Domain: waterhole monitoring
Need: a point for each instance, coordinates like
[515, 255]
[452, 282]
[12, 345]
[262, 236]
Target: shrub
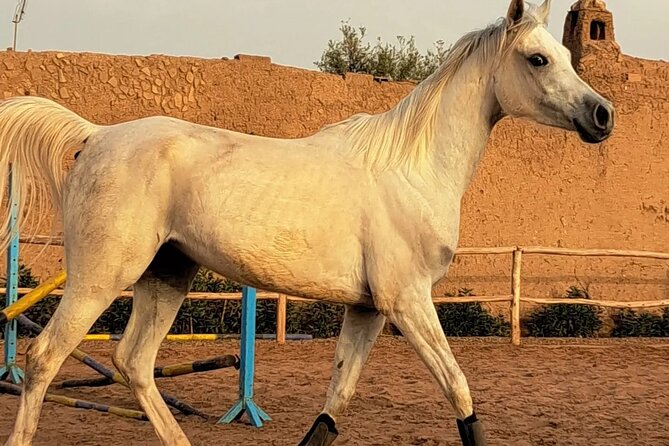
[223, 317]
[629, 323]
[399, 63]
[319, 319]
[470, 319]
[26, 278]
[565, 320]
[203, 316]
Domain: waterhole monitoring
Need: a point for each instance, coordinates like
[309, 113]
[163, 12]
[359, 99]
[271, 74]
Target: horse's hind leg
[157, 297]
[82, 303]
[414, 314]
[359, 331]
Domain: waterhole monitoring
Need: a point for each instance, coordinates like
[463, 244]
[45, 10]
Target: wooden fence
[514, 298]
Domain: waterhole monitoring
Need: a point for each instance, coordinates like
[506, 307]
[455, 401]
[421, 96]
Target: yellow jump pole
[169, 337]
[84, 358]
[30, 299]
[167, 371]
[79, 404]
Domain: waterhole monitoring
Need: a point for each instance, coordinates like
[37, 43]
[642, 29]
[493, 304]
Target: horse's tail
[35, 135]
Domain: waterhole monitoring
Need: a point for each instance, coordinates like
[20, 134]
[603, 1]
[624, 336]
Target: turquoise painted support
[11, 371]
[246, 365]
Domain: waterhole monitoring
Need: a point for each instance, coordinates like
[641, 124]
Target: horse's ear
[544, 11]
[516, 11]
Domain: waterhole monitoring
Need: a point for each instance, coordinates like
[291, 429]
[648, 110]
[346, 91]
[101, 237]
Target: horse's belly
[296, 259]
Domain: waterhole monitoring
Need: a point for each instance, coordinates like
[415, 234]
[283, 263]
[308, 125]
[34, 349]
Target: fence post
[281, 309]
[11, 370]
[515, 290]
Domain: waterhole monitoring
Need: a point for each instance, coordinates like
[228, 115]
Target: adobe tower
[589, 25]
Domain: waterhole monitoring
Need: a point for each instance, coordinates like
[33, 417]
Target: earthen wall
[535, 186]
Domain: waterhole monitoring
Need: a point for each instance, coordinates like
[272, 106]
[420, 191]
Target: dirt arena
[543, 393]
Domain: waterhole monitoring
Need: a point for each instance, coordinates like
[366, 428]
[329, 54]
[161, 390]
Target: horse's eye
[538, 60]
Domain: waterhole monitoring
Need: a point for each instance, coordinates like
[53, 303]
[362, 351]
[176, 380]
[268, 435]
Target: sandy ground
[543, 393]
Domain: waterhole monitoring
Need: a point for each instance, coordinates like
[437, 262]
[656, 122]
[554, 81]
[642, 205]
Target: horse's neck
[465, 121]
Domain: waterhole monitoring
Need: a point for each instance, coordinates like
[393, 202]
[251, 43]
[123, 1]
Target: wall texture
[536, 186]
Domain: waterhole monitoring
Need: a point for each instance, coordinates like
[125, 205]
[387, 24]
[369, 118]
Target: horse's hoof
[471, 431]
[322, 433]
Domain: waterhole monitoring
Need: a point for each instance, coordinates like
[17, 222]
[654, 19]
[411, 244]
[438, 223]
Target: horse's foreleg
[417, 319]
[359, 331]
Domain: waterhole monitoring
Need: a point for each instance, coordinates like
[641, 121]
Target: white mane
[402, 136]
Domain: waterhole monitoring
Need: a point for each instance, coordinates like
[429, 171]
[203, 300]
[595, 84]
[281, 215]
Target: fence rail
[514, 299]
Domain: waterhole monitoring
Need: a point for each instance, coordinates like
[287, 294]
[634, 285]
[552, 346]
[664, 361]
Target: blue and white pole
[11, 371]
[247, 365]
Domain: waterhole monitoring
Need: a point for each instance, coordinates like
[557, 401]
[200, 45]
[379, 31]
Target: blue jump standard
[11, 371]
[246, 366]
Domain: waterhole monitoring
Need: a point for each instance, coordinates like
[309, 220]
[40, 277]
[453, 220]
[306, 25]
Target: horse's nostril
[602, 117]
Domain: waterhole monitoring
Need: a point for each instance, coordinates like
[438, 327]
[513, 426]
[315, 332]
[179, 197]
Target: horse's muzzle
[596, 123]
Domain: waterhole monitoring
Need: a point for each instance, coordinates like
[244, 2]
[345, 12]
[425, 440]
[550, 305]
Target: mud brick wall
[536, 186]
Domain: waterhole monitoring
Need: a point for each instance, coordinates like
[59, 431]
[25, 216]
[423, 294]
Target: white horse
[365, 212]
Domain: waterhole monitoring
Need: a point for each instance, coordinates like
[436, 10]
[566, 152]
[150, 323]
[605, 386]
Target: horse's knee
[122, 361]
[37, 361]
[130, 369]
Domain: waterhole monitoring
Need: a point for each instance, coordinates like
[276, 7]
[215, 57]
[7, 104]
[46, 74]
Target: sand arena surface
[600, 392]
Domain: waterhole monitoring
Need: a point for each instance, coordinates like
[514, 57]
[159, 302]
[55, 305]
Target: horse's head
[534, 79]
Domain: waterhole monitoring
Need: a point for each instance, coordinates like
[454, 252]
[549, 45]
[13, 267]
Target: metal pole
[11, 370]
[247, 365]
[18, 16]
[16, 30]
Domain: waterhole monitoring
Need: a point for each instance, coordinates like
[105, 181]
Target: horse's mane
[402, 135]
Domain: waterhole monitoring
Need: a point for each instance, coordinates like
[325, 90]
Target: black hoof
[471, 431]
[322, 433]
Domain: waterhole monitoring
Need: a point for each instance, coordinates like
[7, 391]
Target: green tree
[399, 62]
